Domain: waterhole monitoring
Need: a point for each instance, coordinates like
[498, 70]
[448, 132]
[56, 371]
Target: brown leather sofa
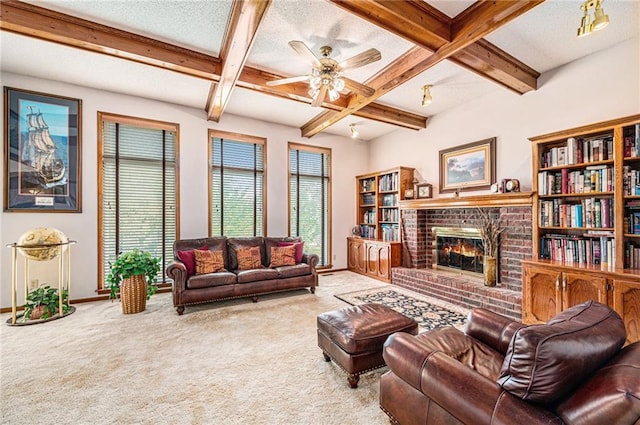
[571, 370]
[231, 282]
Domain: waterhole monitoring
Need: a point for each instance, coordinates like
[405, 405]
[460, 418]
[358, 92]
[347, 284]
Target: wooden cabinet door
[371, 256]
[580, 287]
[626, 301]
[384, 262]
[355, 248]
[541, 297]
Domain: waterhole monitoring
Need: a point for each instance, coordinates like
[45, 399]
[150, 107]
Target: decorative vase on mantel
[489, 270]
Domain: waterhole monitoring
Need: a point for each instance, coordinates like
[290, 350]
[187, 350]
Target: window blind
[309, 199]
[237, 188]
[139, 192]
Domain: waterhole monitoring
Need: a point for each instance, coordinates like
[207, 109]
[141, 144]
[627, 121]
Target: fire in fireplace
[457, 249]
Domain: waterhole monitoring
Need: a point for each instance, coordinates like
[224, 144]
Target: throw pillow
[249, 258]
[189, 260]
[299, 249]
[283, 256]
[546, 362]
[208, 261]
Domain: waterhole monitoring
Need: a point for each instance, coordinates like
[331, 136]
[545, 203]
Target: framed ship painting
[468, 167]
[42, 152]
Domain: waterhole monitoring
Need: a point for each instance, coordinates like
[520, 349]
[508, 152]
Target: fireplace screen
[458, 248]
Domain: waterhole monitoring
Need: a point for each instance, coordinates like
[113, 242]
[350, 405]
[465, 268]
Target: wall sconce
[426, 95]
[600, 19]
[354, 132]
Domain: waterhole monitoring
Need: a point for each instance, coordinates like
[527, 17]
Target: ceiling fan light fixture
[426, 95]
[333, 95]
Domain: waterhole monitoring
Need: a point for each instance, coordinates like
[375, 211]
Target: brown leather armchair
[571, 370]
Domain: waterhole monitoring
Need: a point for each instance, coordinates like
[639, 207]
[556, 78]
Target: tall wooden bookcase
[378, 246]
[586, 184]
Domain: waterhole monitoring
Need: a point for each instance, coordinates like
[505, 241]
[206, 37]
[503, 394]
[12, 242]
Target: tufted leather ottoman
[353, 337]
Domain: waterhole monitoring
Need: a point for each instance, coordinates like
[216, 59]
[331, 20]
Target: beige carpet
[233, 362]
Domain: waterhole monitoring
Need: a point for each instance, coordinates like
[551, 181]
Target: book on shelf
[572, 249]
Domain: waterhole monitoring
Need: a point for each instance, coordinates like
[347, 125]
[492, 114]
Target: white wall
[349, 158]
[597, 88]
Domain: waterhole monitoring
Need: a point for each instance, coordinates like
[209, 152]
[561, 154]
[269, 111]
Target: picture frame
[424, 190]
[468, 167]
[42, 152]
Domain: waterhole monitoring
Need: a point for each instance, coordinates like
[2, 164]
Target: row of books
[389, 214]
[368, 199]
[390, 200]
[589, 212]
[367, 231]
[631, 256]
[578, 250]
[389, 182]
[578, 151]
[631, 181]
[369, 217]
[390, 232]
[368, 185]
[596, 178]
[632, 142]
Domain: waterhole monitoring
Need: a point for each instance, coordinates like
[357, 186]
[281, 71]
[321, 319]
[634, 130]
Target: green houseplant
[133, 275]
[43, 303]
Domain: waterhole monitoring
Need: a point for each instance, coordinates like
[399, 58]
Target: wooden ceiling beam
[27, 19]
[426, 26]
[33, 21]
[471, 25]
[240, 33]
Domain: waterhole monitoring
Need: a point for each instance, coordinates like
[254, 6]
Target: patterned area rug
[428, 312]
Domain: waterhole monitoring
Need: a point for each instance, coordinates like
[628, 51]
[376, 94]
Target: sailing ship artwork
[42, 152]
[43, 161]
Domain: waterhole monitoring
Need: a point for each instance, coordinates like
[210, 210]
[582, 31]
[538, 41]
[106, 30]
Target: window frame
[328, 153]
[144, 123]
[243, 138]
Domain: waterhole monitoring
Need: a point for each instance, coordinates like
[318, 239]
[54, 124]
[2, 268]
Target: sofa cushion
[282, 256]
[211, 279]
[246, 276]
[189, 260]
[546, 362]
[272, 241]
[235, 244]
[208, 261]
[296, 270]
[248, 258]
[299, 249]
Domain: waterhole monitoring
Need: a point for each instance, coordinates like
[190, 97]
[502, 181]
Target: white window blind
[237, 187]
[139, 199]
[309, 199]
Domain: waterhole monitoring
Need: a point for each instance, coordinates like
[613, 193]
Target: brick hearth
[417, 273]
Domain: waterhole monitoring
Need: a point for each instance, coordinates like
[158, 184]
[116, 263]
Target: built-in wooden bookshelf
[586, 184]
[377, 247]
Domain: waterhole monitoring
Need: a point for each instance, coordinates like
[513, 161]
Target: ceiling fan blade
[360, 59]
[288, 80]
[320, 97]
[303, 50]
[357, 87]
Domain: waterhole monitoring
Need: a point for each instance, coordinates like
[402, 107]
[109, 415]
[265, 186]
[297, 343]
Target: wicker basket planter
[133, 294]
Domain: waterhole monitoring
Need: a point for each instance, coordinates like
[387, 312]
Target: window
[138, 195]
[310, 199]
[236, 185]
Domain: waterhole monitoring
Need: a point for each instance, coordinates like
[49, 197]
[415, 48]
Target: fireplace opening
[459, 249]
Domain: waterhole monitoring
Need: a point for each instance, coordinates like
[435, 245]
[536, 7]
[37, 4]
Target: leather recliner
[572, 370]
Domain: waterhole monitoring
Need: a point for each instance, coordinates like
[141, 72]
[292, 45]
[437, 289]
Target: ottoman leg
[353, 380]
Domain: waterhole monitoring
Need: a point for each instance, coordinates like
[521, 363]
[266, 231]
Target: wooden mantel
[513, 199]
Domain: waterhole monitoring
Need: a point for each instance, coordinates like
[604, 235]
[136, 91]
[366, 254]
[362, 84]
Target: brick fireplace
[419, 217]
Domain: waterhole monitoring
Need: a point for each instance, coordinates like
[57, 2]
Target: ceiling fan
[326, 75]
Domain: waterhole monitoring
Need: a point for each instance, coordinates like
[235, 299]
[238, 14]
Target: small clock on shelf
[409, 194]
[424, 190]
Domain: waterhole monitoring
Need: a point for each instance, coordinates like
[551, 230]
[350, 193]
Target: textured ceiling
[543, 38]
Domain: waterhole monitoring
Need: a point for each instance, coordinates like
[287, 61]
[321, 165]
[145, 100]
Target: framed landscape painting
[468, 167]
[42, 152]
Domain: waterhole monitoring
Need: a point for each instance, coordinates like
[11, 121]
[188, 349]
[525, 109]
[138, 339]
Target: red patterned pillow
[249, 258]
[283, 256]
[299, 249]
[208, 261]
[189, 260]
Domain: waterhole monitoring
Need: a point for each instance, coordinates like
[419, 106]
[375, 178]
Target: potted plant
[490, 232]
[43, 303]
[133, 275]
